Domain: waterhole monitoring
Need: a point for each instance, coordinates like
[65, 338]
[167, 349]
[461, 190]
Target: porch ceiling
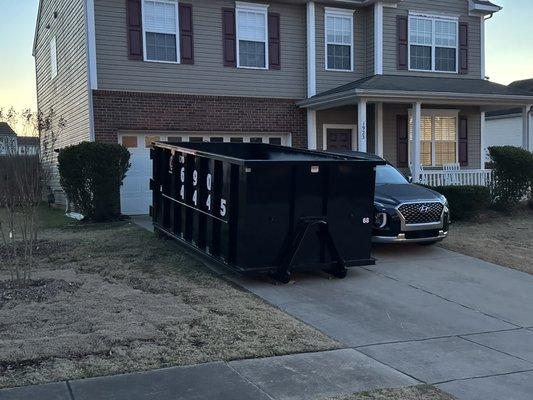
[407, 89]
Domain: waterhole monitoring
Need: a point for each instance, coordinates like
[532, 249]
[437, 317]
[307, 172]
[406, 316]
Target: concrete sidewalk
[296, 377]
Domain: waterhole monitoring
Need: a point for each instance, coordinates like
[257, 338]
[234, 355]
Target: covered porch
[432, 128]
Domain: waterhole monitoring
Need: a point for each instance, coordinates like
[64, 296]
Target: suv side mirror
[410, 179]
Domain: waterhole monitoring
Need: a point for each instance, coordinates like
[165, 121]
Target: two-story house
[402, 78]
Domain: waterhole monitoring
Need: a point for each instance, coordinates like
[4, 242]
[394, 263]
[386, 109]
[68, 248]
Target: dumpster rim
[335, 159]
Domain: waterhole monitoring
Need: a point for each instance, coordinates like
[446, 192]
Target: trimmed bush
[91, 174]
[513, 175]
[465, 200]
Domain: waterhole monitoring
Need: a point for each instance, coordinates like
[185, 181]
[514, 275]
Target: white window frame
[339, 12]
[177, 33]
[53, 58]
[444, 113]
[257, 8]
[433, 18]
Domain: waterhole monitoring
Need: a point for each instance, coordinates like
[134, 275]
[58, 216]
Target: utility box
[259, 208]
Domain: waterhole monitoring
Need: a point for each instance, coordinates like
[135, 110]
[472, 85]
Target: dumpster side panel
[264, 221]
[350, 211]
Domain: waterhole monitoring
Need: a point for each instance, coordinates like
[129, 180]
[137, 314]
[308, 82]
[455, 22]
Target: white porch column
[415, 144]
[483, 152]
[378, 117]
[378, 38]
[311, 129]
[311, 50]
[361, 126]
[526, 128]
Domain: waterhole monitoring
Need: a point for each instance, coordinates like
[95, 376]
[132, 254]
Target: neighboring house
[11, 144]
[28, 145]
[402, 78]
[8, 140]
[505, 127]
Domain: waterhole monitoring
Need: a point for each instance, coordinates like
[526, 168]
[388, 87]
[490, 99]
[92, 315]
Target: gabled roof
[5, 129]
[423, 87]
[39, 9]
[483, 7]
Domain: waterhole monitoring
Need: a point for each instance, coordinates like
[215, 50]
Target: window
[252, 35]
[438, 137]
[433, 43]
[53, 57]
[160, 22]
[339, 39]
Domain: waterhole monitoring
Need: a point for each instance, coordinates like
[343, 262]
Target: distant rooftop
[525, 85]
[5, 129]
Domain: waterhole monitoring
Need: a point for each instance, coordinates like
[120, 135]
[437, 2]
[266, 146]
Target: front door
[339, 139]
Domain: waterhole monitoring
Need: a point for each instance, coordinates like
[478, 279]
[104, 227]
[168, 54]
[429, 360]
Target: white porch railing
[466, 177]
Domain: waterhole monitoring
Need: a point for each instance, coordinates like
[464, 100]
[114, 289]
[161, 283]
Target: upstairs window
[252, 39]
[53, 57]
[160, 22]
[339, 39]
[432, 44]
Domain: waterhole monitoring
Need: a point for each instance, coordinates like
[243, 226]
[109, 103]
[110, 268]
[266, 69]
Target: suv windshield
[387, 174]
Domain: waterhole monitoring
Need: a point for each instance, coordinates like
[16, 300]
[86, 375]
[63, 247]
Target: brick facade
[114, 111]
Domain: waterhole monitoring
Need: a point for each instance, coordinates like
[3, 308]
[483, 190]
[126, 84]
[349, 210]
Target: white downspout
[311, 74]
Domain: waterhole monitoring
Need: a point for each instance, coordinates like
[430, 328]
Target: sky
[509, 48]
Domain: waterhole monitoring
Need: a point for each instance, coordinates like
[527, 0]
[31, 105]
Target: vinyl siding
[68, 93]
[331, 79]
[390, 111]
[451, 7]
[370, 41]
[207, 76]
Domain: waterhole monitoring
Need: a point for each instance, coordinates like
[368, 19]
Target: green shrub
[465, 200]
[513, 175]
[91, 174]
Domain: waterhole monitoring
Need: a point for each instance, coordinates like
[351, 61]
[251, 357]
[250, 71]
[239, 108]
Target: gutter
[490, 98]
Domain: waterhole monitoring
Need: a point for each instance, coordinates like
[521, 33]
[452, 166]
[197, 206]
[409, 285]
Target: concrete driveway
[440, 317]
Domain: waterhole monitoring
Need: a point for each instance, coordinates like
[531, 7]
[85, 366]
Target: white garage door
[135, 194]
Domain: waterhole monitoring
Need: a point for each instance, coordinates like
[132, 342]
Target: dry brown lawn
[422, 392]
[504, 239]
[113, 298]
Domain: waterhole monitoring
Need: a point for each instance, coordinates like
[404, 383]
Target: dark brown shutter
[186, 38]
[402, 32]
[463, 141]
[274, 61]
[135, 32]
[229, 37]
[402, 130]
[463, 48]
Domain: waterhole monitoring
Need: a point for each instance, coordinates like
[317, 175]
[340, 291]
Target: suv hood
[395, 194]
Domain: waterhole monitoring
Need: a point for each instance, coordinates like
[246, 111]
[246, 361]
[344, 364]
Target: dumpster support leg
[339, 270]
[283, 274]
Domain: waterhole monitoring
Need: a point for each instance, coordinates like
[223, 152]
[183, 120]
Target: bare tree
[23, 184]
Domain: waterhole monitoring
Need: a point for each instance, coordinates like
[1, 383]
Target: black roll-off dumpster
[262, 208]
